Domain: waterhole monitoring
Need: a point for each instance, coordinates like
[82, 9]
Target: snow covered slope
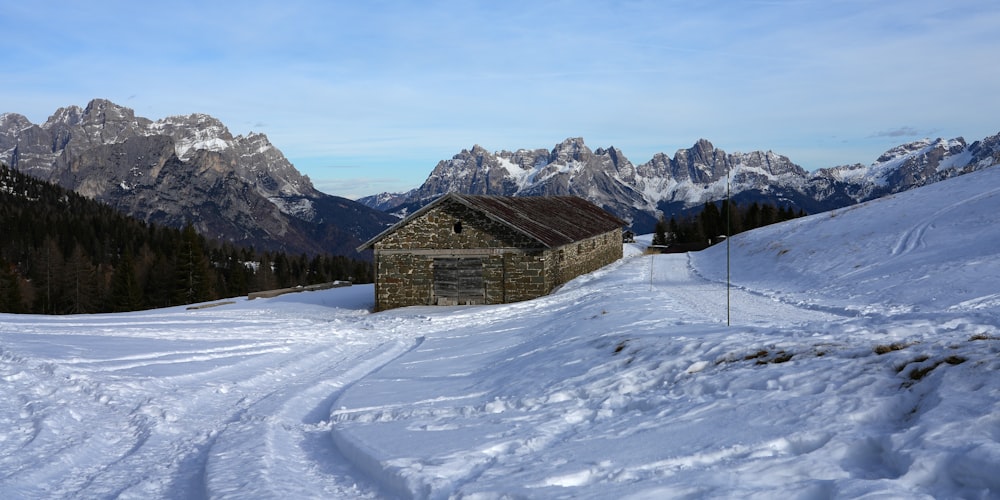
[862, 359]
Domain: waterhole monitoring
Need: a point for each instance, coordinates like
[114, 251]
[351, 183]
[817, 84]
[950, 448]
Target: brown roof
[551, 220]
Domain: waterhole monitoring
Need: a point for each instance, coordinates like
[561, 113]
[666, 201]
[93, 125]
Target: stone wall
[402, 280]
[526, 276]
[589, 255]
[515, 267]
[436, 229]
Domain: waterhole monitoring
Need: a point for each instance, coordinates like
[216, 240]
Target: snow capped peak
[194, 132]
[694, 176]
[903, 150]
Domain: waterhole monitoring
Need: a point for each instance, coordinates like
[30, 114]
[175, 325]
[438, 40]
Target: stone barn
[465, 249]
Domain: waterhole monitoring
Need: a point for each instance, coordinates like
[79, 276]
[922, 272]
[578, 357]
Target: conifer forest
[62, 253]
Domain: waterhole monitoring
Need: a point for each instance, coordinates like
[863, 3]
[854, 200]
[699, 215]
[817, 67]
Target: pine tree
[79, 283]
[265, 273]
[126, 294]
[46, 266]
[674, 231]
[710, 222]
[192, 269]
[660, 233]
[751, 218]
[767, 215]
[10, 290]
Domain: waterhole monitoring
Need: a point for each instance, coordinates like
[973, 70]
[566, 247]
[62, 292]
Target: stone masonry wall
[588, 255]
[515, 268]
[406, 279]
[526, 276]
[436, 230]
[402, 280]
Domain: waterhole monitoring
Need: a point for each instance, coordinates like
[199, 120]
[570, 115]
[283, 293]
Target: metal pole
[651, 257]
[729, 216]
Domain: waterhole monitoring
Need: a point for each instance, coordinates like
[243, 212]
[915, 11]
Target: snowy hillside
[862, 359]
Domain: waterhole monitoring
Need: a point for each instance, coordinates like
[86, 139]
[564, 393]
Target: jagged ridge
[667, 186]
[187, 169]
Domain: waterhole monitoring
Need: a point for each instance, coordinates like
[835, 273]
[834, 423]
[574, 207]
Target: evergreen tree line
[718, 220]
[61, 253]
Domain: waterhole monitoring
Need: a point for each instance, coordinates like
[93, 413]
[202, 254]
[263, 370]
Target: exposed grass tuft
[621, 346]
[954, 360]
[885, 349]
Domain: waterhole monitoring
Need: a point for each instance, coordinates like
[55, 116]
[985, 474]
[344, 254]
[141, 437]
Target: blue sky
[366, 97]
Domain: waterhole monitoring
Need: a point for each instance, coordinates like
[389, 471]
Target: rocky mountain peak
[666, 186]
[194, 132]
[703, 146]
[572, 149]
[186, 168]
[922, 146]
[13, 122]
[478, 150]
[66, 116]
[986, 151]
[903, 150]
[102, 110]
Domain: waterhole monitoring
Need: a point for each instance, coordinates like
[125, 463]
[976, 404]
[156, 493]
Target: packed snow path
[862, 359]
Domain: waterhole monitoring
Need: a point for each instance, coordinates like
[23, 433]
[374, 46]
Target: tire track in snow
[179, 357]
[139, 439]
[289, 438]
[64, 415]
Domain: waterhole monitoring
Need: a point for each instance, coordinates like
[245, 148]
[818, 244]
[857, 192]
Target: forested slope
[62, 253]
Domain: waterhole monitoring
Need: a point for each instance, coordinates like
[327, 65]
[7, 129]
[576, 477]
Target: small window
[458, 227]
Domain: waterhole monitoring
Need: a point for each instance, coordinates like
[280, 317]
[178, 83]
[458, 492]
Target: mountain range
[674, 186]
[191, 170]
[187, 170]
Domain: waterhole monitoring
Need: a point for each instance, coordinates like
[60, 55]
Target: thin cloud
[901, 132]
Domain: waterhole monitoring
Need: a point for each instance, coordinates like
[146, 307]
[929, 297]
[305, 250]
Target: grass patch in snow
[920, 372]
[886, 349]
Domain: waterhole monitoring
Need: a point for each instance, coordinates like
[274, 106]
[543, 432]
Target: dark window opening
[458, 227]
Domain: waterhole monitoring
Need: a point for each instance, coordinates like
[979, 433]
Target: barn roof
[551, 220]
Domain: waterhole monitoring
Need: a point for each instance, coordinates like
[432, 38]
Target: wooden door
[459, 281]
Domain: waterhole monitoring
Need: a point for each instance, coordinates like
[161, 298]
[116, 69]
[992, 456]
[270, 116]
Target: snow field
[621, 385]
[861, 360]
[613, 402]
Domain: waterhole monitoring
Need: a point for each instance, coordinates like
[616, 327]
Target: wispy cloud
[901, 132]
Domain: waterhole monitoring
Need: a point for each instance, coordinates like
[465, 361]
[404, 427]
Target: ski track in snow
[913, 238]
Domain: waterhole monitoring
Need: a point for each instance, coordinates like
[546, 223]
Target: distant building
[464, 249]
